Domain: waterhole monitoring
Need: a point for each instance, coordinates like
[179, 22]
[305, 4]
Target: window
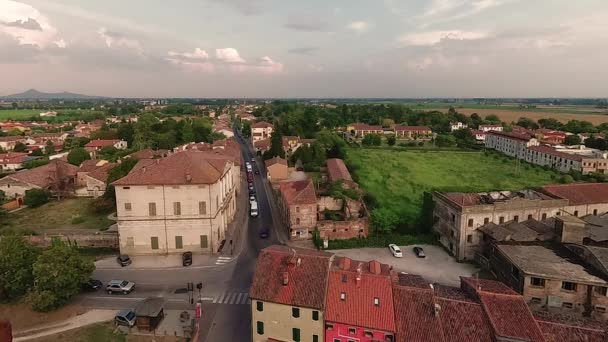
[600, 309]
[179, 243]
[352, 331]
[536, 300]
[297, 220]
[217, 202]
[152, 209]
[202, 208]
[259, 306]
[486, 220]
[126, 187]
[576, 213]
[329, 326]
[260, 329]
[150, 187]
[453, 218]
[315, 338]
[567, 305]
[544, 217]
[376, 301]
[128, 206]
[204, 243]
[368, 334]
[337, 340]
[516, 218]
[595, 212]
[154, 242]
[343, 296]
[177, 208]
[315, 315]
[501, 219]
[538, 282]
[297, 209]
[568, 286]
[470, 223]
[296, 334]
[469, 238]
[530, 217]
[344, 278]
[452, 232]
[295, 312]
[601, 290]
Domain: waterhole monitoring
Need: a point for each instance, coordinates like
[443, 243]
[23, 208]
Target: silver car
[120, 286]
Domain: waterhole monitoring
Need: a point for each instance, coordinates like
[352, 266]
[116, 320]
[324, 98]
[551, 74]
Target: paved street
[226, 279]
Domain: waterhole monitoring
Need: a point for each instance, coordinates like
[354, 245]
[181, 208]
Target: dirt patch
[514, 115]
[22, 317]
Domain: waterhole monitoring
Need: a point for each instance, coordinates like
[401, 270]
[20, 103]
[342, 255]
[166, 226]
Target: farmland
[26, 114]
[396, 180]
[19, 114]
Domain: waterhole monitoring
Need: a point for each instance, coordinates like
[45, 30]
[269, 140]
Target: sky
[313, 48]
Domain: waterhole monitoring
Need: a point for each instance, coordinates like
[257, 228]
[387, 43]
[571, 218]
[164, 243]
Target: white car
[395, 251]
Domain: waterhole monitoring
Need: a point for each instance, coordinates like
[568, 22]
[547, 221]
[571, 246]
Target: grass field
[100, 332]
[398, 179]
[19, 114]
[56, 215]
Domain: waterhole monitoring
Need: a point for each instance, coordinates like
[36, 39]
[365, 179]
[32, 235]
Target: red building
[359, 303]
[550, 136]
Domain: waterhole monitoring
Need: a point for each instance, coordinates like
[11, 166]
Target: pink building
[359, 304]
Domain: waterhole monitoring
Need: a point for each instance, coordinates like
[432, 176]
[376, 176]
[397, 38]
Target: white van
[253, 211]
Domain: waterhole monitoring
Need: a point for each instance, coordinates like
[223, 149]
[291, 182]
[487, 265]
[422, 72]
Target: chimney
[285, 278]
[436, 309]
[299, 262]
[359, 272]
[188, 178]
[143, 169]
[375, 267]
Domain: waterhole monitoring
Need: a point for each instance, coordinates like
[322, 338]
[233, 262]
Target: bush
[77, 156]
[383, 241]
[102, 205]
[34, 198]
[566, 179]
[78, 220]
[42, 301]
[421, 143]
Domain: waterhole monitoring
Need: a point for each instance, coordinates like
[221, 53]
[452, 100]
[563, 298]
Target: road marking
[238, 298]
[218, 299]
[232, 298]
[131, 298]
[223, 260]
[226, 258]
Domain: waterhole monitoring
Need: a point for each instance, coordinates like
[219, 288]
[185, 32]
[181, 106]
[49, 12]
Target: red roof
[556, 332]
[306, 279]
[101, 173]
[275, 160]
[262, 124]
[579, 194]
[298, 192]
[149, 154]
[337, 170]
[511, 135]
[401, 128]
[510, 317]
[463, 321]
[12, 158]
[365, 127]
[54, 174]
[552, 151]
[101, 143]
[358, 307]
[415, 320]
[486, 285]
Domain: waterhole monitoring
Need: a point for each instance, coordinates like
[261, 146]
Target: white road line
[228, 298]
[218, 299]
[224, 258]
[244, 299]
[234, 298]
[238, 298]
[249, 301]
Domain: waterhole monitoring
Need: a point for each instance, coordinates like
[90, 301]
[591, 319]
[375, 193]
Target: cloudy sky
[313, 48]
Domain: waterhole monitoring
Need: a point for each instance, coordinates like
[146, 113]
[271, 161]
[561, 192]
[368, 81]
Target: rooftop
[149, 154]
[412, 128]
[488, 198]
[580, 193]
[337, 170]
[298, 192]
[101, 143]
[275, 160]
[262, 124]
[557, 332]
[55, 173]
[552, 151]
[512, 135]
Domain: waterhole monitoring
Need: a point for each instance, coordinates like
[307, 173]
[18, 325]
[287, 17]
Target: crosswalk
[223, 260]
[232, 298]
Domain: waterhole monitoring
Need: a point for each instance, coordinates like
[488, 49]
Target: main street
[226, 282]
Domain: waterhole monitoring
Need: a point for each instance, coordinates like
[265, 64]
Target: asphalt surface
[226, 305]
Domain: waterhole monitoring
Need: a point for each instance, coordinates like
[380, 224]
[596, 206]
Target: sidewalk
[158, 262]
[237, 229]
[87, 318]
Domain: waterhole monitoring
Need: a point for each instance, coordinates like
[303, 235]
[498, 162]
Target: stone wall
[329, 203]
[92, 239]
[343, 230]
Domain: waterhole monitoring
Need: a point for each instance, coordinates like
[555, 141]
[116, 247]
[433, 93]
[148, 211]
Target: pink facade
[338, 332]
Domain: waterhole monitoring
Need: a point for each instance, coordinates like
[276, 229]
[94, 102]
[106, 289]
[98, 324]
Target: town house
[261, 130]
[297, 202]
[413, 132]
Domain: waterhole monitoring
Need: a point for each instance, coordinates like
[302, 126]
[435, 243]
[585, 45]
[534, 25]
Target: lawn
[66, 214]
[398, 179]
[99, 332]
[19, 114]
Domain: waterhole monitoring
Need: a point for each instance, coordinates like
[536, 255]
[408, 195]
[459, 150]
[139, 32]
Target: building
[261, 130]
[413, 132]
[359, 130]
[85, 168]
[98, 144]
[58, 177]
[454, 126]
[288, 295]
[511, 144]
[183, 202]
[96, 181]
[359, 302]
[297, 202]
[12, 161]
[488, 128]
[148, 154]
[8, 143]
[583, 199]
[262, 146]
[43, 138]
[549, 136]
[338, 172]
[276, 169]
[293, 143]
[480, 136]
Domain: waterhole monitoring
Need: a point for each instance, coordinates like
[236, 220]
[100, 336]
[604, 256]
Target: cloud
[315, 67]
[225, 59]
[246, 7]
[306, 51]
[61, 43]
[306, 23]
[198, 54]
[359, 26]
[267, 65]
[448, 10]
[115, 39]
[25, 24]
[29, 24]
[228, 55]
[435, 37]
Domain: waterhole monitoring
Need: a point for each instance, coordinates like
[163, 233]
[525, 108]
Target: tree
[2, 196]
[276, 144]
[444, 140]
[35, 198]
[16, 266]
[550, 123]
[37, 153]
[372, 140]
[126, 132]
[388, 122]
[187, 134]
[384, 220]
[247, 129]
[566, 179]
[493, 119]
[77, 156]
[20, 147]
[58, 273]
[572, 140]
[49, 148]
[391, 140]
[527, 123]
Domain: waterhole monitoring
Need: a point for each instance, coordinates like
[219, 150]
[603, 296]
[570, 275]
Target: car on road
[419, 252]
[250, 177]
[253, 159]
[251, 187]
[264, 233]
[251, 192]
[187, 259]
[120, 286]
[123, 260]
[253, 211]
[257, 172]
[92, 285]
[252, 197]
[125, 317]
[395, 250]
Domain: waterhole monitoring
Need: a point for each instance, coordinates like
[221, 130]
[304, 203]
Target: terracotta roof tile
[414, 316]
[486, 286]
[580, 194]
[88, 165]
[401, 128]
[101, 143]
[149, 154]
[306, 283]
[298, 192]
[556, 332]
[101, 173]
[510, 317]
[553, 152]
[512, 135]
[365, 127]
[47, 175]
[275, 160]
[464, 321]
[337, 170]
[262, 124]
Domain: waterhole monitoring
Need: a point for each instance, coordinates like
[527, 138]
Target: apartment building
[288, 295]
[183, 202]
[488, 128]
[359, 130]
[413, 132]
[512, 144]
[261, 130]
[454, 126]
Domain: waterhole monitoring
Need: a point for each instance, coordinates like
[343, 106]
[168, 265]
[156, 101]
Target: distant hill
[34, 94]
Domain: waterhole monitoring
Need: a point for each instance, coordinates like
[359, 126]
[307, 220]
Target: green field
[398, 179]
[509, 107]
[19, 114]
[26, 114]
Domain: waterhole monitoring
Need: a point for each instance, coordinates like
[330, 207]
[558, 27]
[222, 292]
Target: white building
[261, 130]
[487, 128]
[454, 126]
[511, 144]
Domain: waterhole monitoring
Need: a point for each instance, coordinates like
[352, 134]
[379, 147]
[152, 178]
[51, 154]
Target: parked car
[395, 251]
[187, 258]
[253, 159]
[253, 211]
[252, 198]
[121, 286]
[92, 285]
[123, 260]
[250, 177]
[257, 172]
[419, 252]
[251, 192]
[264, 233]
[125, 317]
[251, 187]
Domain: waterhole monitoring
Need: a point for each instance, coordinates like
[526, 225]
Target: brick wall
[343, 230]
[329, 203]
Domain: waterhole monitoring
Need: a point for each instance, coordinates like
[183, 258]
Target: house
[48, 114]
[85, 168]
[44, 138]
[276, 169]
[8, 143]
[288, 294]
[148, 154]
[96, 145]
[583, 199]
[454, 126]
[262, 146]
[297, 203]
[183, 202]
[511, 144]
[57, 177]
[12, 161]
[261, 130]
[338, 172]
[360, 130]
[292, 143]
[413, 132]
[550, 136]
[359, 302]
[480, 136]
[96, 181]
[488, 128]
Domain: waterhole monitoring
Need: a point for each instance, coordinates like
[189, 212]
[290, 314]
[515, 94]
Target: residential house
[583, 198]
[413, 132]
[511, 144]
[148, 153]
[183, 202]
[12, 161]
[288, 295]
[292, 143]
[550, 136]
[95, 146]
[359, 302]
[8, 143]
[261, 130]
[338, 172]
[480, 136]
[262, 146]
[97, 180]
[360, 130]
[488, 128]
[15, 125]
[454, 126]
[57, 177]
[297, 203]
[277, 169]
[43, 138]
[85, 168]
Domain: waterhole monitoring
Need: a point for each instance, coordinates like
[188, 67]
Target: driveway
[437, 267]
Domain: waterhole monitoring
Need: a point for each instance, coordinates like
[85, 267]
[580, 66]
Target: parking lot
[437, 267]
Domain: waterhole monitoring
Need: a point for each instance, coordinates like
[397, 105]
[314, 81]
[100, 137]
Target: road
[226, 309]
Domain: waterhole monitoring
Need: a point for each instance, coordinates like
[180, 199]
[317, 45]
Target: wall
[329, 203]
[278, 323]
[82, 239]
[12, 205]
[342, 230]
[341, 332]
[14, 188]
[95, 187]
[302, 220]
[278, 172]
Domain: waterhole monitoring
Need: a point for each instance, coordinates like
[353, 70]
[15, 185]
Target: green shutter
[179, 243]
[315, 338]
[260, 305]
[204, 243]
[260, 328]
[315, 315]
[296, 334]
[295, 312]
[154, 242]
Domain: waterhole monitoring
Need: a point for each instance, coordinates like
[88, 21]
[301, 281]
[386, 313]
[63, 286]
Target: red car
[250, 178]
